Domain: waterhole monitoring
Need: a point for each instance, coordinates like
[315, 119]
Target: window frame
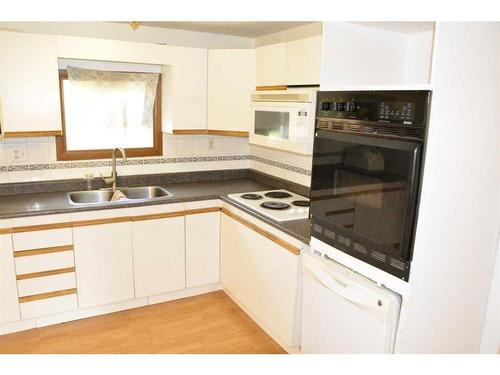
[63, 154]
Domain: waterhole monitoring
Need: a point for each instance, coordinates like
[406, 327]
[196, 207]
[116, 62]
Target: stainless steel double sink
[103, 196]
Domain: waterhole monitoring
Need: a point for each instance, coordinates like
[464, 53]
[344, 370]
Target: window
[106, 109]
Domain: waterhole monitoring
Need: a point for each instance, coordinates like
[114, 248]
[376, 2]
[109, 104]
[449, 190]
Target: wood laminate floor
[208, 323]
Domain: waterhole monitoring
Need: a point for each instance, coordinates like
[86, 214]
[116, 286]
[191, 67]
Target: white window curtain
[106, 104]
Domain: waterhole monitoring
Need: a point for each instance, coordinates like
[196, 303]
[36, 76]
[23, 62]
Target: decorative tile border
[149, 161]
[281, 165]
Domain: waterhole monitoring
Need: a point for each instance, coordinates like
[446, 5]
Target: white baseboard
[184, 293]
[16, 326]
[22, 325]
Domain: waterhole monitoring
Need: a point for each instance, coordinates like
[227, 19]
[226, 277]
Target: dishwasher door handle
[336, 286]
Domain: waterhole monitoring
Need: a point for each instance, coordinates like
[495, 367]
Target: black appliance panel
[395, 107]
[366, 177]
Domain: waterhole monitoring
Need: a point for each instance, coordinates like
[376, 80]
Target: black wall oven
[367, 165]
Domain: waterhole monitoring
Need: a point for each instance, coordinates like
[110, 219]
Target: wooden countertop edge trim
[287, 246]
[37, 297]
[46, 250]
[202, 210]
[34, 228]
[34, 275]
[108, 220]
[5, 231]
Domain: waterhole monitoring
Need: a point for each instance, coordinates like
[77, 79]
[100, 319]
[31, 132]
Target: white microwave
[284, 120]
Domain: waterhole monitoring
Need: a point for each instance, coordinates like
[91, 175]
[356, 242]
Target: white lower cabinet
[104, 263]
[9, 305]
[262, 277]
[202, 248]
[159, 256]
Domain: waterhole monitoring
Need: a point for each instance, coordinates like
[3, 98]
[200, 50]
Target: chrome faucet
[112, 179]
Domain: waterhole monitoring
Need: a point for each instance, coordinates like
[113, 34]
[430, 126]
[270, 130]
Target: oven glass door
[364, 195]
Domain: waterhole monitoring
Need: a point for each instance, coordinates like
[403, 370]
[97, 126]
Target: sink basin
[92, 197]
[145, 192]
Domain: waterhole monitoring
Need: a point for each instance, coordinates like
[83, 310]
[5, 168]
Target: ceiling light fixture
[134, 24]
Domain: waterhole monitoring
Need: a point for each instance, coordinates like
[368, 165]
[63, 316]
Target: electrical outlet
[211, 144]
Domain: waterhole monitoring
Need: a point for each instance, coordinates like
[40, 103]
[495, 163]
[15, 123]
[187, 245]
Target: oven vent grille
[359, 248]
[317, 228]
[379, 256]
[344, 240]
[395, 266]
[329, 234]
[397, 263]
[371, 128]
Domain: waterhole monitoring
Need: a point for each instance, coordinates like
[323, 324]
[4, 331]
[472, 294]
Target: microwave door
[272, 123]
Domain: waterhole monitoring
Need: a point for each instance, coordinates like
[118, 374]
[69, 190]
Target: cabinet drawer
[44, 284]
[48, 306]
[42, 239]
[44, 262]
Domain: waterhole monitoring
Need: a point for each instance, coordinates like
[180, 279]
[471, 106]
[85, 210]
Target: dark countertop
[33, 204]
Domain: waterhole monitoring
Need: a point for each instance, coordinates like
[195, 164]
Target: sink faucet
[112, 179]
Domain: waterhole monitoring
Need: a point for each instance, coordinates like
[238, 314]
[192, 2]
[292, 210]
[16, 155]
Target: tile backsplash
[34, 159]
[289, 166]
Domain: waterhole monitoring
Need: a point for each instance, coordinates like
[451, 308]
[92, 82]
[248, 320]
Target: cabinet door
[202, 248]
[9, 305]
[159, 256]
[261, 276]
[303, 61]
[187, 88]
[29, 83]
[103, 261]
[271, 65]
[231, 80]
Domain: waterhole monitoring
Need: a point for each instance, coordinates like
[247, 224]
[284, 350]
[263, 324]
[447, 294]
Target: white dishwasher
[344, 312]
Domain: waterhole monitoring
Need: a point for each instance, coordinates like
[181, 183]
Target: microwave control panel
[394, 107]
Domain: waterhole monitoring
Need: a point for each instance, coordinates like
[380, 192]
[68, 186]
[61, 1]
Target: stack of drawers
[45, 272]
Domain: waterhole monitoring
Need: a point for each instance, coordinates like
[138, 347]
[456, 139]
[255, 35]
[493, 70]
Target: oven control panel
[395, 107]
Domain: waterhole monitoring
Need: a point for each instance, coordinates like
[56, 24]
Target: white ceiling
[246, 29]
[401, 27]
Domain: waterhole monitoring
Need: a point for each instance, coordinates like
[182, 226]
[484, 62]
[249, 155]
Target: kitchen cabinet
[202, 248]
[29, 85]
[303, 61]
[104, 263]
[9, 306]
[262, 277]
[271, 65]
[231, 80]
[185, 82]
[159, 256]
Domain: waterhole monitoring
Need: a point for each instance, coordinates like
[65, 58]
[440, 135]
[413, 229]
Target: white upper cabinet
[303, 61]
[159, 256]
[9, 306]
[29, 84]
[271, 65]
[231, 80]
[185, 85]
[104, 264]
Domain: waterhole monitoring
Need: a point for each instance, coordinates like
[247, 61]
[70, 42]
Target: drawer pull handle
[45, 273]
[36, 297]
[45, 250]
